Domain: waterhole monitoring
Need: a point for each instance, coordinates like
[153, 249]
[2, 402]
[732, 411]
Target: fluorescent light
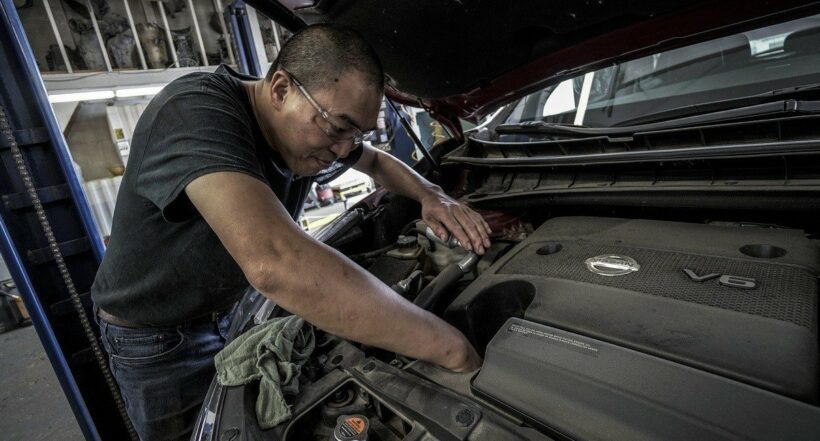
[81, 96]
[104, 94]
[138, 91]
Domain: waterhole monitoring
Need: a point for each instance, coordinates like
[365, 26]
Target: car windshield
[771, 58]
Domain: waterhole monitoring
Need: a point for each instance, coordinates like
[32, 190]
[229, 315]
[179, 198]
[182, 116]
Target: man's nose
[342, 148]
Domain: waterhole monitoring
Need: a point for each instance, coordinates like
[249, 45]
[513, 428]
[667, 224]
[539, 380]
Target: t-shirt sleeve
[194, 133]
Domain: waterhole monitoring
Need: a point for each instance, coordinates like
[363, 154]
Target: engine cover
[739, 302]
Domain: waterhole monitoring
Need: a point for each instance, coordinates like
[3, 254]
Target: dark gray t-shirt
[164, 264]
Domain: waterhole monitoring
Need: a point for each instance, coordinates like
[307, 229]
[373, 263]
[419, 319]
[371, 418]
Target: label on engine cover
[552, 338]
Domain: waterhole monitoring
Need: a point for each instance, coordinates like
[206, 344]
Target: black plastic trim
[779, 148]
[592, 390]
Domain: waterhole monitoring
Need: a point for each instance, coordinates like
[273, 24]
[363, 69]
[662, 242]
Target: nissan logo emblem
[612, 265]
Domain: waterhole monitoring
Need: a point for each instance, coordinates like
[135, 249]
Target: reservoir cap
[351, 428]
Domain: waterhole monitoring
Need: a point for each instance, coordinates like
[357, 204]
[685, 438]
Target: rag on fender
[273, 353]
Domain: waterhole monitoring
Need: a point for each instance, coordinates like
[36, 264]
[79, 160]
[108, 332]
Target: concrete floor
[32, 404]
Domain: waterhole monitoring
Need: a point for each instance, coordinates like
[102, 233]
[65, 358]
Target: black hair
[318, 55]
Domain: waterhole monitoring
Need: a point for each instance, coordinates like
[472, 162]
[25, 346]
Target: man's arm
[315, 281]
[439, 211]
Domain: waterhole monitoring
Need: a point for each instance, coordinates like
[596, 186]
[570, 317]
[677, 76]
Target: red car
[652, 177]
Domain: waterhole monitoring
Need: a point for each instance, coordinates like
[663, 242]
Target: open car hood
[465, 58]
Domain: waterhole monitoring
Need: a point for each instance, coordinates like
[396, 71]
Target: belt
[210, 317]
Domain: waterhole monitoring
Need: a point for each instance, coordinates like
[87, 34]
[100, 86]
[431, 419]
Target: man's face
[301, 133]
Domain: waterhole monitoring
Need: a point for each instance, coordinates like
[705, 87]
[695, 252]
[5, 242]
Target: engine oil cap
[351, 428]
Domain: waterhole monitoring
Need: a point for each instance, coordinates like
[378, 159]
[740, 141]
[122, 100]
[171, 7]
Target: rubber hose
[451, 274]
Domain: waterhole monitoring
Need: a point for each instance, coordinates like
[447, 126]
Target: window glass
[759, 61]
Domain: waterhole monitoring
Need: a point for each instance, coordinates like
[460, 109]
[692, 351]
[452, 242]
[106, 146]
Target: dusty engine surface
[737, 302]
[591, 329]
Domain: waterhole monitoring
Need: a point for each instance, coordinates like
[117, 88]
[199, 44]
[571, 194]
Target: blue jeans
[164, 373]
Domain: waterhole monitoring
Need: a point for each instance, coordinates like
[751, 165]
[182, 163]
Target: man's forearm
[325, 288]
[441, 212]
[314, 281]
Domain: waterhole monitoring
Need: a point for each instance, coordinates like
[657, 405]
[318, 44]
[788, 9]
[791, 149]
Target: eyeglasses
[336, 127]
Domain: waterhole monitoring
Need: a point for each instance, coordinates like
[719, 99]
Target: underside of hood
[465, 58]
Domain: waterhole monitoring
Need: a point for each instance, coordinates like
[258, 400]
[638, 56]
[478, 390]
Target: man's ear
[280, 86]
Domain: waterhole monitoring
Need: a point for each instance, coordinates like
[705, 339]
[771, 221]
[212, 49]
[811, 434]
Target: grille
[783, 293]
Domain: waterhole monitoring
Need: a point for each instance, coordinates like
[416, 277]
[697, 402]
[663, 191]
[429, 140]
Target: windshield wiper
[711, 112]
[715, 108]
[782, 107]
[545, 128]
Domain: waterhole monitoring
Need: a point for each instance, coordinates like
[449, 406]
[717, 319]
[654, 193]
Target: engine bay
[591, 327]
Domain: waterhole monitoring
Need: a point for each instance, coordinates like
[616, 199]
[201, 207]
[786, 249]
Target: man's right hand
[464, 359]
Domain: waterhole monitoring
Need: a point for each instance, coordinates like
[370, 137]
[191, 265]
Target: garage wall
[38, 30]
[90, 142]
[64, 112]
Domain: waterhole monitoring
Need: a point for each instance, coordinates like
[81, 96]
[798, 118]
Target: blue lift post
[24, 245]
[239, 24]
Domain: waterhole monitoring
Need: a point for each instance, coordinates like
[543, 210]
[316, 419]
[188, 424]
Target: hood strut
[427, 155]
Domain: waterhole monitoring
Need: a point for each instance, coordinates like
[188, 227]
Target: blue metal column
[30, 121]
[246, 58]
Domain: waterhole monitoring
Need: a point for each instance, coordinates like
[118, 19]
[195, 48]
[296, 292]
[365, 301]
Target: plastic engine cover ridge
[588, 389]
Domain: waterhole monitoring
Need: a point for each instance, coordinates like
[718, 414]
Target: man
[219, 167]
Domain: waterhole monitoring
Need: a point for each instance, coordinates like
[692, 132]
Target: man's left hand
[443, 213]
